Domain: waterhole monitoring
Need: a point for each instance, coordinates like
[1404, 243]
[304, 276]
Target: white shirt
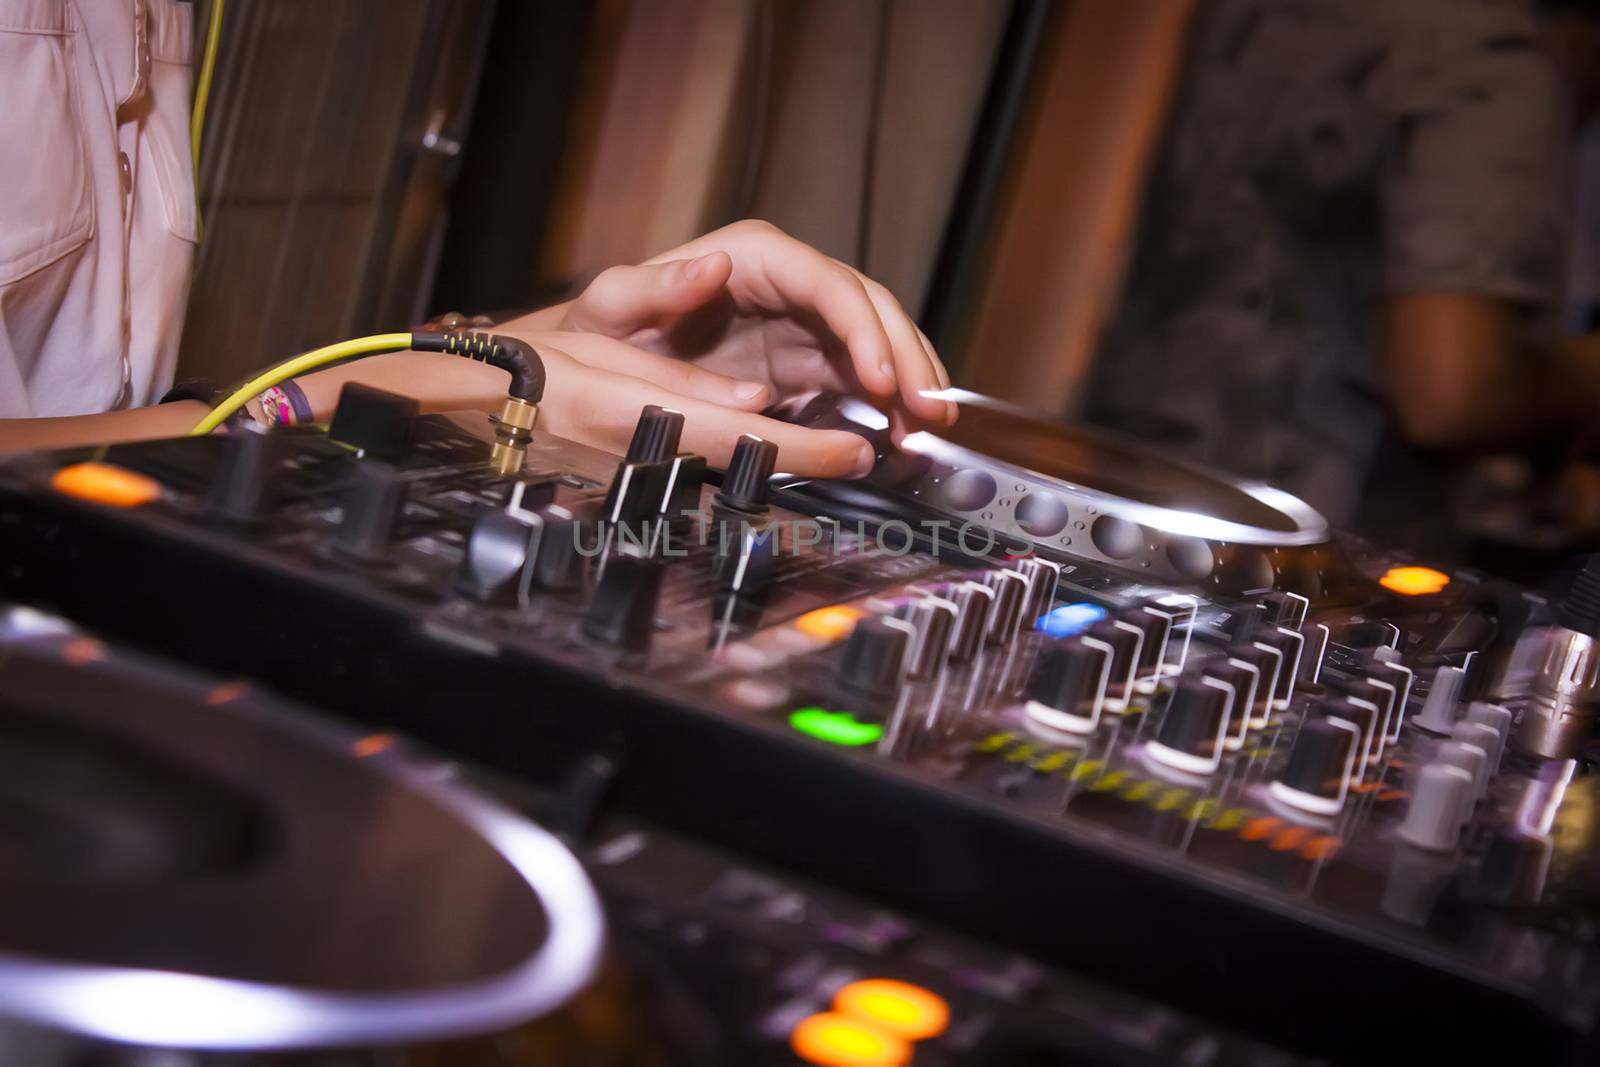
[97, 211]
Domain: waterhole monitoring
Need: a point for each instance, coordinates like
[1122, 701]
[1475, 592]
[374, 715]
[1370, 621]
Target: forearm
[1577, 369]
[1547, 391]
[137, 424]
[1460, 374]
[439, 382]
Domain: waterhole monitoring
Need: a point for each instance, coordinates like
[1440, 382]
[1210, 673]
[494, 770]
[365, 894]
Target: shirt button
[126, 169]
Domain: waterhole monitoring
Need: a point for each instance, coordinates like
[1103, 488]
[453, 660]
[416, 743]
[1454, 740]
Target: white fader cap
[1497, 719]
[1441, 708]
[1440, 799]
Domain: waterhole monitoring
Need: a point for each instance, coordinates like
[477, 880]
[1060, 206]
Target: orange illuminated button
[829, 1039]
[898, 1007]
[1414, 581]
[832, 623]
[101, 483]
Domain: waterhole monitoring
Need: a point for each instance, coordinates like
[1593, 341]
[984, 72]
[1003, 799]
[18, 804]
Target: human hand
[595, 387]
[753, 304]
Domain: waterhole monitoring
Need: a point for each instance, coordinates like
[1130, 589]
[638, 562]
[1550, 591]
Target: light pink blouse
[97, 209]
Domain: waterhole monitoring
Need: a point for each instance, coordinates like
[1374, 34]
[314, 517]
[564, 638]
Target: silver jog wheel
[1073, 491]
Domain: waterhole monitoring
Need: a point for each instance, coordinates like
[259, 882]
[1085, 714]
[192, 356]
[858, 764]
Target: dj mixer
[1027, 694]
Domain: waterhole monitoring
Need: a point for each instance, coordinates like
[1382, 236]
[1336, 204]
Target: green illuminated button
[834, 727]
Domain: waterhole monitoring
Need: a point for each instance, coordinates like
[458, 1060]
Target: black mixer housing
[1195, 893]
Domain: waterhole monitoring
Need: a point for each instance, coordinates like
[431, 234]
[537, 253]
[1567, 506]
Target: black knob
[1514, 868]
[1245, 681]
[246, 486]
[1378, 693]
[746, 553]
[1365, 715]
[1268, 662]
[744, 487]
[873, 656]
[497, 551]
[1156, 625]
[932, 621]
[1043, 578]
[1243, 623]
[655, 435]
[1068, 675]
[507, 556]
[372, 420]
[1289, 644]
[1284, 609]
[371, 508]
[637, 493]
[973, 602]
[1318, 770]
[558, 562]
[1580, 611]
[1005, 615]
[1370, 635]
[623, 611]
[685, 475]
[1125, 645]
[1194, 722]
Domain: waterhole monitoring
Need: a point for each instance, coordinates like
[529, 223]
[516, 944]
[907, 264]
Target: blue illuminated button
[1069, 620]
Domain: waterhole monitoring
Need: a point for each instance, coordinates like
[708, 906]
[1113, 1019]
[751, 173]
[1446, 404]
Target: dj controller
[1029, 748]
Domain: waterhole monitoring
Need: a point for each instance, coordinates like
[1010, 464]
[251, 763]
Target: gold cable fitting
[513, 430]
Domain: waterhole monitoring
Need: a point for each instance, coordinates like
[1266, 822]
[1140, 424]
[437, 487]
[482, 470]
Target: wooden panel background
[1067, 219]
[311, 139]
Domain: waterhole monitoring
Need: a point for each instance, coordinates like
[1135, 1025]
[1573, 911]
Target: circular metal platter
[1073, 491]
[187, 865]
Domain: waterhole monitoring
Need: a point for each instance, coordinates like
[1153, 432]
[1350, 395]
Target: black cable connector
[1580, 611]
[515, 357]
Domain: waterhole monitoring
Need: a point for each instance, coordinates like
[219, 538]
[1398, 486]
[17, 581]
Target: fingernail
[866, 459]
[748, 390]
[696, 266]
[887, 369]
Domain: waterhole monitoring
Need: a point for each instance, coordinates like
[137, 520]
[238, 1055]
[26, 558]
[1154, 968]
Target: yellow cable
[202, 85]
[308, 361]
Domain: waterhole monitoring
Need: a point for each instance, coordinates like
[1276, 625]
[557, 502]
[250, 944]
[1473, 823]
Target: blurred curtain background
[370, 162]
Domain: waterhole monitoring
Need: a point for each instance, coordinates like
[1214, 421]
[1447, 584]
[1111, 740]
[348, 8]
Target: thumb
[621, 300]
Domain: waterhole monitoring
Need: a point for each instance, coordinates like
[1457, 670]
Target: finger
[900, 427]
[801, 451]
[794, 276]
[952, 410]
[621, 300]
[938, 364]
[915, 365]
[683, 378]
[599, 407]
[797, 276]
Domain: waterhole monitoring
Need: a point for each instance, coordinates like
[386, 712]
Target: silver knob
[1440, 799]
[1496, 718]
[1561, 697]
[1441, 708]
[1470, 758]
